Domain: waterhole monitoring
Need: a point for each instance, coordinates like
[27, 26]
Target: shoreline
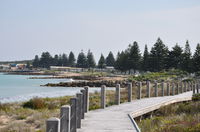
[52, 94]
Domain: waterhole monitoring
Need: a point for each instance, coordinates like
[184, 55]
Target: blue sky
[29, 27]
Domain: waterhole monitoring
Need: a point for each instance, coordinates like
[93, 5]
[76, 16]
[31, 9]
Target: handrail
[77, 114]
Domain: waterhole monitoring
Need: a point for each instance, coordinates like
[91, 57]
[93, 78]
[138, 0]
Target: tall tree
[175, 57]
[196, 59]
[187, 60]
[158, 56]
[46, 60]
[145, 59]
[102, 62]
[72, 60]
[64, 60]
[55, 60]
[121, 61]
[36, 62]
[90, 60]
[110, 60]
[60, 60]
[134, 58]
[82, 60]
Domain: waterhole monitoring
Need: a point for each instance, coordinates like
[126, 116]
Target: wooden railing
[71, 115]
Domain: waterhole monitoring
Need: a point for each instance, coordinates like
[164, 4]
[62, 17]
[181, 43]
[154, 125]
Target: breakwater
[98, 83]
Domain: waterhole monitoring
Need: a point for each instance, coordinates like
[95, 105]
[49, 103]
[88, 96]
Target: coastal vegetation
[31, 115]
[159, 58]
[181, 117]
[160, 64]
[169, 75]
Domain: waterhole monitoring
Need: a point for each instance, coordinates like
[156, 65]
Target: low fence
[71, 115]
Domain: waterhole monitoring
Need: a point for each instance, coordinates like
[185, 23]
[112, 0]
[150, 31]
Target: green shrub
[181, 117]
[184, 108]
[4, 107]
[195, 128]
[196, 97]
[21, 117]
[35, 103]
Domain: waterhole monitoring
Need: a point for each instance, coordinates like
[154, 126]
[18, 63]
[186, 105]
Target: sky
[30, 27]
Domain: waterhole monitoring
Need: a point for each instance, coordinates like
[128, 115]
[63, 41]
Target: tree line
[157, 59]
[83, 61]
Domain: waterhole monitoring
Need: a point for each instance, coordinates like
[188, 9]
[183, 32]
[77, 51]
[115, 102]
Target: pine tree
[102, 63]
[158, 56]
[72, 60]
[36, 62]
[55, 60]
[121, 62]
[145, 59]
[196, 59]
[90, 60]
[82, 60]
[175, 57]
[187, 61]
[110, 60]
[134, 58]
[46, 60]
[64, 60]
[60, 60]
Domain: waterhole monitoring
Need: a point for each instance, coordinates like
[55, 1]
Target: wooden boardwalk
[117, 118]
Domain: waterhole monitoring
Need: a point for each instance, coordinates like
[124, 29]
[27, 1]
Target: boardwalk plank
[115, 118]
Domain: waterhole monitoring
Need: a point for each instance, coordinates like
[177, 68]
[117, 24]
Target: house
[68, 69]
[4, 67]
[21, 66]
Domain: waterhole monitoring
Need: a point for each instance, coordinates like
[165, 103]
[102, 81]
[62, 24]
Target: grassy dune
[181, 117]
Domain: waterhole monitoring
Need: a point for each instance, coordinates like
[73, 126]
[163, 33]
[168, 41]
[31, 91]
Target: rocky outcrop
[87, 83]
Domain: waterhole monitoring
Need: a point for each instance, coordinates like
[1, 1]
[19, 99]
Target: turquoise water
[14, 88]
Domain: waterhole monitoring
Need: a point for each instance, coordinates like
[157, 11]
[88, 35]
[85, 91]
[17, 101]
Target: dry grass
[182, 117]
[23, 119]
[33, 113]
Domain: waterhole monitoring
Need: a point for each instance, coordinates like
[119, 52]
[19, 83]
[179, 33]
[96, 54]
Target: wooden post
[194, 88]
[65, 118]
[86, 99]
[148, 89]
[197, 87]
[173, 89]
[168, 89]
[79, 109]
[103, 96]
[190, 86]
[177, 87]
[53, 125]
[139, 90]
[162, 87]
[117, 94]
[73, 122]
[129, 92]
[156, 89]
[181, 87]
[83, 103]
[185, 87]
